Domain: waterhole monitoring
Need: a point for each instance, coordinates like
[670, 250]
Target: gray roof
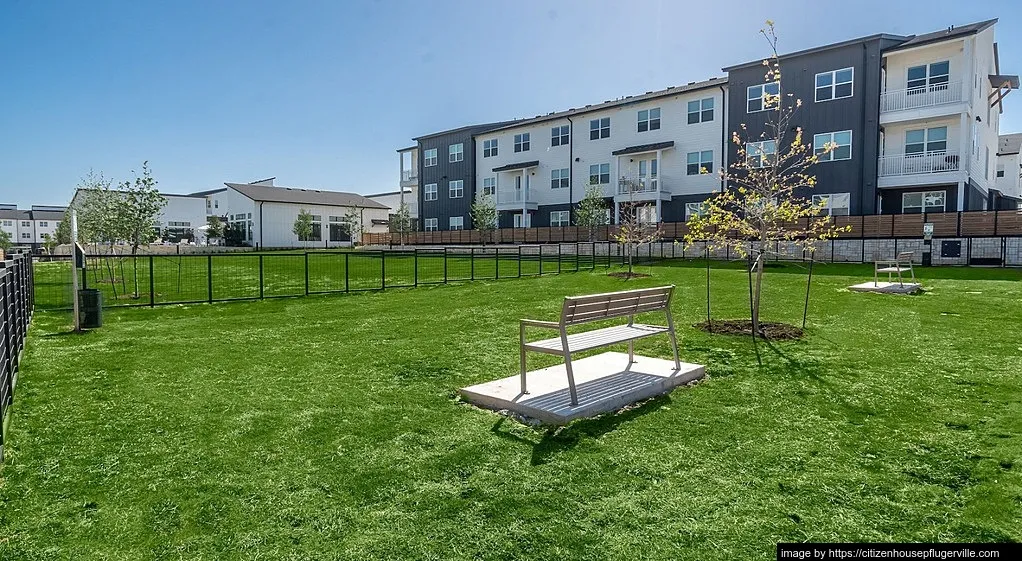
[473, 129]
[944, 34]
[48, 215]
[407, 190]
[627, 100]
[875, 36]
[15, 214]
[208, 192]
[303, 196]
[1009, 143]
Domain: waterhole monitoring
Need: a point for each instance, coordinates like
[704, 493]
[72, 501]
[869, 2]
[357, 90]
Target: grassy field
[326, 428]
[186, 278]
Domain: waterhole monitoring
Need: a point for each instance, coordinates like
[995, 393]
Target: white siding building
[178, 221]
[663, 146]
[30, 227]
[393, 199]
[1008, 182]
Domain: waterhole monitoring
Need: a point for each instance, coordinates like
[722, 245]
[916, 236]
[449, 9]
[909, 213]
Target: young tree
[352, 224]
[63, 233]
[635, 226]
[592, 211]
[303, 225]
[214, 228]
[484, 216]
[49, 243]
[5, 242]
[137, 208]
[761, 203]
[97, 207]
[401, 224]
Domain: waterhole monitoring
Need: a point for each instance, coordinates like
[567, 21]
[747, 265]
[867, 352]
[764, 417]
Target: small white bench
[900, 264]
[585, 309]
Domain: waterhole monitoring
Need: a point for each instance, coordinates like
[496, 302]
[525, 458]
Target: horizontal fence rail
[152, 280]
[17, 300]
[962, 224]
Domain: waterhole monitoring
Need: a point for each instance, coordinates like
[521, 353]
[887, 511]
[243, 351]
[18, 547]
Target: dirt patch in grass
[768, 330]
[627, 275]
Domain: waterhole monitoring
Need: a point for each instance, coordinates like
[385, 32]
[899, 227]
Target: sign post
[927, 244]
[74, 269]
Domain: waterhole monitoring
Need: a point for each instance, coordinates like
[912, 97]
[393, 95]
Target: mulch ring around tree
[626, 275]
[768, 330]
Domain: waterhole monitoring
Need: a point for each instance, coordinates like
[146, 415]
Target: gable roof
[943, 35]
[294, 195]
[208, 192]
[627, 100]
[48, 215]
[1009, 144]
[821, 48]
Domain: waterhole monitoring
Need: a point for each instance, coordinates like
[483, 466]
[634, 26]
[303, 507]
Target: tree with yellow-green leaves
[761, 204]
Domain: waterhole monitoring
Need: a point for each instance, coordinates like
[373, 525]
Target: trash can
[90, 312]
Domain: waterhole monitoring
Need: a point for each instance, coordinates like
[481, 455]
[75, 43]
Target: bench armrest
[537, 323]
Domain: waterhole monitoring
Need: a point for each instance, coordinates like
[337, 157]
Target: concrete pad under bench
[604, 383]
[887, 287]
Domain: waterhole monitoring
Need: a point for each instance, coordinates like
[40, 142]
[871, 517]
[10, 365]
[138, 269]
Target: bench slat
[583, 309]
[596, 338]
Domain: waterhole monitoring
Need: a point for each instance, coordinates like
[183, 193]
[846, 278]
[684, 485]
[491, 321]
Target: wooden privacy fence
[17, 299]
[959, 224]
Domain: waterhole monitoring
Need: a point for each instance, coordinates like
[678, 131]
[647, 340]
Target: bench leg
[900, 283]
[521, 351]
[571, 379]
[674, 338]
[631, 353]
[876, 275]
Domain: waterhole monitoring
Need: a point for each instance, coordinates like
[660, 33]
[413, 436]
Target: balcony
[640, 189]
[516, 199]
[921, 103]
[409, 175]
[929, 168]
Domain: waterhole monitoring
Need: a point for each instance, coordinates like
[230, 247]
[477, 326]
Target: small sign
[928, 230]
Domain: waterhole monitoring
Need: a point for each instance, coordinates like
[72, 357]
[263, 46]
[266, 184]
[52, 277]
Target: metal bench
[585, 309]
[900, 264]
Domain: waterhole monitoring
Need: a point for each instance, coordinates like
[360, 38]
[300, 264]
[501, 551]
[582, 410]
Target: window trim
[455, 156]
[492, 187]
[451, 189]
[522, 142]
[700, 113]
[761, 98]
[426, 191]
[490, 151]
[599, 175]
[926, 141]
[460, 226]
[561, 134]
[566, 221]
[922, 204]
[431, 224]
[689, 212]
[700, 162]
[928, 78]
[563, 179]
[649, 121]
[763, 155]
[599, 128]
[830, 155]
[847, 197]
[833, 85]
[427, 157]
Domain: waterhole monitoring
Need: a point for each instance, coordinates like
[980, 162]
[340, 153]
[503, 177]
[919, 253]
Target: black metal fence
[153, 280]
[17, 298]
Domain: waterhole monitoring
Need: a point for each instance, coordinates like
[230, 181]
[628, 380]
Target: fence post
[383, 270]
[415, 266]
[576, 249]
[209, 276]
[306, 273]
[152, 285]
[347, 288]
[519, 261]
[445, 264]
[472, 263]
[540, 256]
[496, 262]
[261, 291]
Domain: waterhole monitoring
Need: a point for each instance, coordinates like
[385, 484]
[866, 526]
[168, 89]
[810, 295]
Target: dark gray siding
[859, 113]
[890, 199]
[444, 207]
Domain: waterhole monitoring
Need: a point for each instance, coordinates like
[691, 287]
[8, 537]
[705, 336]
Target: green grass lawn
[186, 278]
[326, 427]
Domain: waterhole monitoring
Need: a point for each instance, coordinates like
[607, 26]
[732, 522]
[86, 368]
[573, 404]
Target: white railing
[512, 196]
[939, 161]
[627, 185]
[409, 174]
[924, 96]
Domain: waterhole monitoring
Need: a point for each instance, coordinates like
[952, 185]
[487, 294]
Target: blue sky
[321, 94]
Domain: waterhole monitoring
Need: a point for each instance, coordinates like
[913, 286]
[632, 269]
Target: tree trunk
[757, 290]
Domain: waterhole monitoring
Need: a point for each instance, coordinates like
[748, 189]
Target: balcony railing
[925, 96]
[409, 174]
[939, 161]
[630, 185]
[512, 196]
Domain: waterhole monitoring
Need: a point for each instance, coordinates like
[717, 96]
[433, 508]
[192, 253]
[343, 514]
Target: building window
[26, 236]
[760, 154]
[489, 186]
[489, 147]
[455, 189]
[430, 224]
[835, 84]
[694, 209]
[429, 157]
[522, 220]
[559, 178]
[700, 111]
[456, 152]
[646, 214]
[599, 174]
[932, 77]
[457, 223]
[429, 192]
[25, 224]
[649, 120]
[924, 201]
[8, 223]
[559, 136]
[337, 230]
[317, 229]
[216, 203]
[700, 162]
[920, 141]
[44, 224]
[599, 128]
[840, 144]
[1000, 171]
[835, 204]
[559, 218]
[763, 96]
[522, 142]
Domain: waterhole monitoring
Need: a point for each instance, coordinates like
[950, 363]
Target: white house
[661, 149]
[30, 227]
[267, 213]
[1008, 182]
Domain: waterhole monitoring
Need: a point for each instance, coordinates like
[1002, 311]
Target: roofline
[123, 191]
[299, 189]
[656, 94]
[460, 129]
[261, 180]
[408, 149]
[874, 37]
[982, 26]
[409, 190]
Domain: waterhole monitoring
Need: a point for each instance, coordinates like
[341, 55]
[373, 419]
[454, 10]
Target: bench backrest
[582, 309]
[905, 256]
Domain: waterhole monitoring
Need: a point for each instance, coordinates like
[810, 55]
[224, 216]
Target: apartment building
[446, 173]
[914, 118]
[179, 219]
[659, 151]
[29, 228]
[1008, 178]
